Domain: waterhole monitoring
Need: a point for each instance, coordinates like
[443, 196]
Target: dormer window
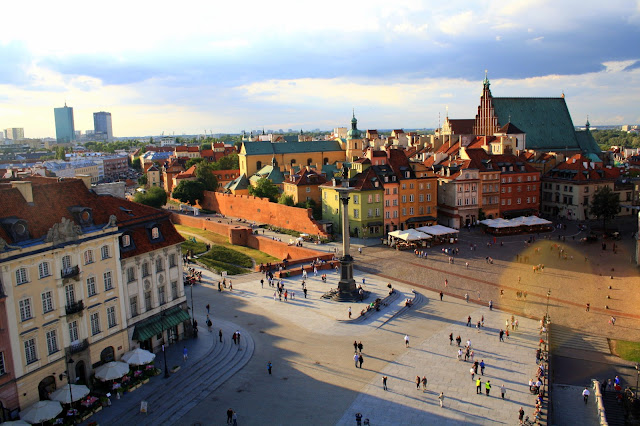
[126, 240]
[155, 233]
[82, 215]
[16, 228]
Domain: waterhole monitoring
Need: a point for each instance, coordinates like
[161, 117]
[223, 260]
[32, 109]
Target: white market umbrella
[41, 411]
[112, 370]
[17, 422]
[138, 356]
[63, 395]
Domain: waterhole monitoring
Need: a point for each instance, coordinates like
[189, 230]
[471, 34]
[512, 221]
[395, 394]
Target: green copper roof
[272, 173]
[587, 143]
[262, 148]
[546, 121]
[238, 183]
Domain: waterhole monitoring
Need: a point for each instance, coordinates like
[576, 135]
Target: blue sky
[188, 66]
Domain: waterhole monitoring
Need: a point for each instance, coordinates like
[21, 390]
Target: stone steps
[562, 337]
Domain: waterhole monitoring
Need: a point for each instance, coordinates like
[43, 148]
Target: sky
[190, 66]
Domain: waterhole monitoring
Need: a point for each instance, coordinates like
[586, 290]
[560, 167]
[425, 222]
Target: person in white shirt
[585, 394]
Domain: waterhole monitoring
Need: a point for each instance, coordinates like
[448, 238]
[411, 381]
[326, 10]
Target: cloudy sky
[188, 66]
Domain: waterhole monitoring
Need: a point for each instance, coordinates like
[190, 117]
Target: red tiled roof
[56, 197]
[462, 126]
[580, 168]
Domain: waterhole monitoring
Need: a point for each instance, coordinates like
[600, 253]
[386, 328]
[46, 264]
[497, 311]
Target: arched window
[44, 269]
[159, 265]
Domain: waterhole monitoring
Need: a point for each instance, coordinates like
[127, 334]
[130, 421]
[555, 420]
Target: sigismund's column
[347, 291]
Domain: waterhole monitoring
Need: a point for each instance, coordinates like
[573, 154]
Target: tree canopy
[228, 162]
[189, 191]
[285, 199]
[193, 161]
[204, 173]
[605, 204]
[266, 189]
[606, 138]
[154, 197]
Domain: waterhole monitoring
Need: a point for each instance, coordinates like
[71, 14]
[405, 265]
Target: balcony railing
[74, 307]
[71, 272]
[78, 346]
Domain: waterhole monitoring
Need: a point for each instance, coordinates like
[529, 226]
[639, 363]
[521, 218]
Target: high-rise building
[15, 133]
[65, 128]
[102, 124]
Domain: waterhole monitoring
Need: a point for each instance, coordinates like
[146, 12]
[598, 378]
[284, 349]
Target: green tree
[206, 145]
[193, 161]
[285, 199]
[189, 191]
[136, 163]
[265, 189]
[60, 153]
[204, 173]
[605, 205]
[154, 197]
[142, 180]
[228, 162]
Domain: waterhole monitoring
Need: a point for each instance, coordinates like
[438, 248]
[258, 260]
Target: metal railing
[70, 272]
[74, 307]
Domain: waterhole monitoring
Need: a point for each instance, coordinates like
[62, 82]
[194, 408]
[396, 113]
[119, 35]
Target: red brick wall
[278, 249]
[262, 211]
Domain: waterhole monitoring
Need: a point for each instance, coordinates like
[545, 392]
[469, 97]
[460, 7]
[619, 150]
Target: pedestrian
[384, 382]
[478, 326]
[507, 332]
[466, 297]
[269, 367]
[234, 337]
[360, 346]
[441, 398]
[446, 283]
[482, 367]
[358, 419]
[482, 321]
[612, 321]
[475, 367]
[220, 335]
[262, 283]
[503, 390]
[207, 308]
[406, 340]
[488, 387]
[234, 419]
[585, 395]
[478, 386]
[472, 372]
[501, 335]
[229, 416]
[304, 290]
[458, 340]
[349, 311]
[209, 323]
[469, 321]
[424, 382]
[355, 346]
[588, 306]
[491, 305]
[286, 294]
[521, 415]
[450, 339]
[238, 337]
[418, 380]
[441, 294]
[184, 354]
[355, 359]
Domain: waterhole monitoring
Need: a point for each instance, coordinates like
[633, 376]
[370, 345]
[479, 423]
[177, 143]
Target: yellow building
[61, 272]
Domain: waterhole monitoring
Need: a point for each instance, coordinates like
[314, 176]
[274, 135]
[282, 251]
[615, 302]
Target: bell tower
[354, 140]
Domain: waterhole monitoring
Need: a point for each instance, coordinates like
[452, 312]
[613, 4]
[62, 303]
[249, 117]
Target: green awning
[158, 323]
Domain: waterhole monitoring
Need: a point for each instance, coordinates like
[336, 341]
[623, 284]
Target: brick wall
[262, 211]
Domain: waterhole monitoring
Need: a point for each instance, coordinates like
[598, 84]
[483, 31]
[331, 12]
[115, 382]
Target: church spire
[485, 82]
[587, 125]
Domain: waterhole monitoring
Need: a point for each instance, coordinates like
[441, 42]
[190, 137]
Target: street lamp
[193, 313]
[637, 375]
[164, 352]
[547, 317]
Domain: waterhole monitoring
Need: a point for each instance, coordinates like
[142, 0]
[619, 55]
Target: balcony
[74, 307]
[71, 272]
[78, 346]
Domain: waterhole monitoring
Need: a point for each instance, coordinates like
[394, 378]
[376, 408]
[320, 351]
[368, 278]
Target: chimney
[25, 189]
[86, 179]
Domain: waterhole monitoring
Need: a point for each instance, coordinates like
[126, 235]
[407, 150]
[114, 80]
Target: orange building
[304, 185]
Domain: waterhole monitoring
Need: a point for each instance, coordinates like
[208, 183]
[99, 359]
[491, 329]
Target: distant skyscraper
[14, 133]
[102, 124]
[65, 128]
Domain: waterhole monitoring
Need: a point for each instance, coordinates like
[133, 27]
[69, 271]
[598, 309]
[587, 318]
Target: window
[586, 189]
[428, 197]
[420, 210]
[370, 199]
[47, 302]
[387, 215]
[111, 316]
[161, 295]
[308, 189]
[404, 199]
[395, 191]
[519, 201]
[528, 200]
[44, 270]
[503, 202]
[91, 286]
[155, 233]
[404, 186]
[30, 351]
[126, 240]
[410, 185]
[174, 290]
[395, 214]
[70, 294]
[428, 186]
[88, 257]
[172, 261]
[145, 269]
[21, 276]
[395, 202]
[509, 190]
[356, 213]
[509, 180]
[356, 199]
[95, 323]
[104, 250]
[2, 367]
[108, 282]
[411, 211]
[459, 201]
[386, 191]
[147, 300]
[52, 342]
[377, 198]
[159, 265]
[387, 203]
[25, 310]
[533, 199]
[411, 198]
[504, 180]
[509, 202]
[133, 305]
[421, 198]
[428, 209]
[66, 262]
[370, 213]
[377, 212]
[131, 274]
[73, 331]
[404, 212]
[519, 178]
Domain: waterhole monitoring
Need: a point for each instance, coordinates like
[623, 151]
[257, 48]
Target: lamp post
[547, 316]
[637, 376]
[164, 351]
[70, 361]
[193, 313]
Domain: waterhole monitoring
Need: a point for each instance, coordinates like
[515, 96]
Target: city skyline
[231, 67]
